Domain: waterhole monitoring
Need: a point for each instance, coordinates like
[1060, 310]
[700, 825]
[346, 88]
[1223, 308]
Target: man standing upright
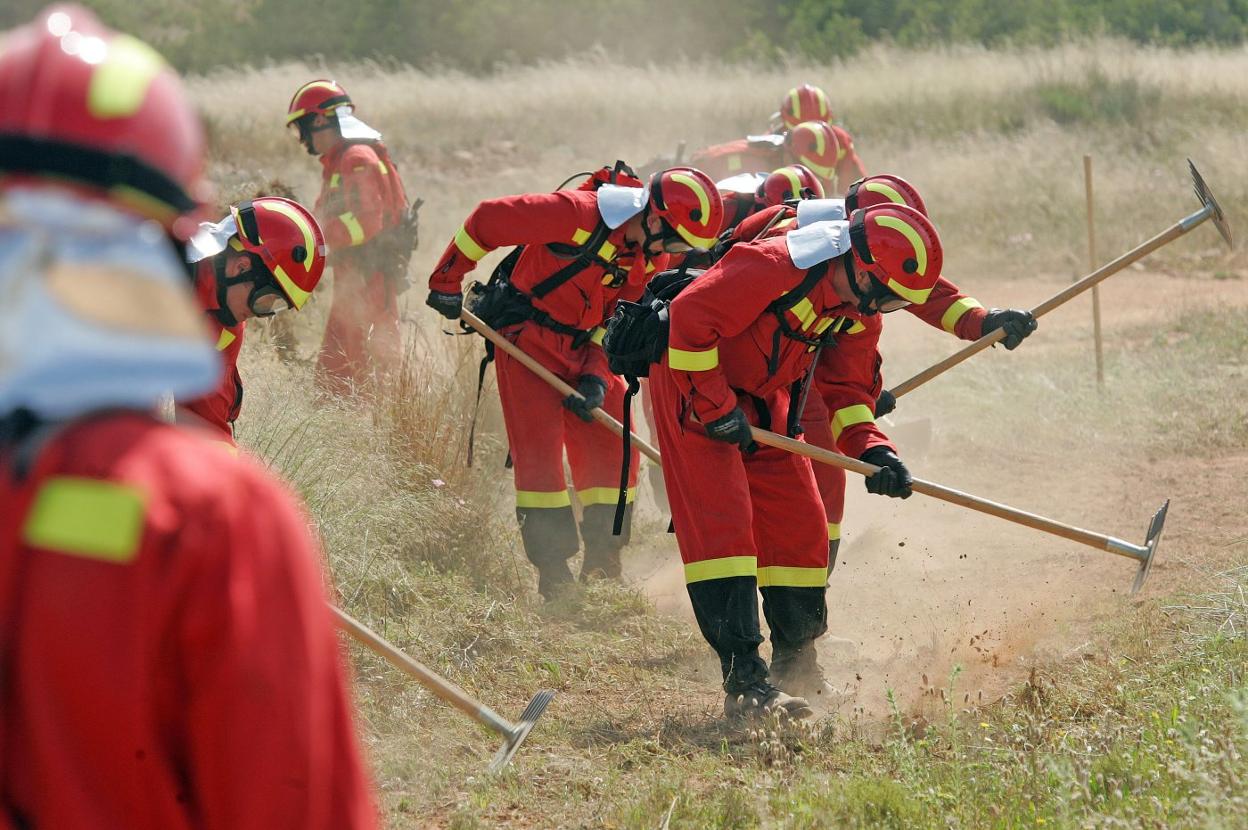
[362, 207]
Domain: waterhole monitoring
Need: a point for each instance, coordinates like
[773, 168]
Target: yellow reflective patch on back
[86, 517]
[804, 312]
[120, 82]
[607, 251]
[225, 339]
[580, 236]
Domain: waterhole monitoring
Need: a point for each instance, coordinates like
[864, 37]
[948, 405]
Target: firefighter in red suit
[362, 197]
[814, 144]
[266, 256]
[834, 410]
[583, 250]
[167, 657]
[810, 103]
[749, 519]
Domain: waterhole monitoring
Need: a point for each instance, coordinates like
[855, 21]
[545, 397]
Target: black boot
[549, 536]
[797, 617]
[602, 549]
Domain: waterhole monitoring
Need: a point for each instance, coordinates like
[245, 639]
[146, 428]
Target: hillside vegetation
[1090, 710]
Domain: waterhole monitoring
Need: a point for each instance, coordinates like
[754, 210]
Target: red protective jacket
[535, 220]
[741, 156]
[722, 333]
[220, 407]
[361, 195]
[169, 658]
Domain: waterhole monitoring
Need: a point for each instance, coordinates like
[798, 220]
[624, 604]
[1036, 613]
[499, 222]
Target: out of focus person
[167, 656]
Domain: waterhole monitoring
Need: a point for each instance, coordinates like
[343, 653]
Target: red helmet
[320, 97]
[104, 112]
[882, 189]
[805, 103]
[287, 238]
[690, 207]
[792, 182]
[813, 144]
[899, 248]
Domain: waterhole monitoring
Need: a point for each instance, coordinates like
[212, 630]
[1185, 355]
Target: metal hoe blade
[521, 729]
[1207, 199]
[1150, 547]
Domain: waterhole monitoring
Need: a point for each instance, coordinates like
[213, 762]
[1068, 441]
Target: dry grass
[427, 551]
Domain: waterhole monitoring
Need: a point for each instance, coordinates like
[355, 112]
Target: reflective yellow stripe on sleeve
[780, 576]
[849, 416]
[834, 531]
[537, 498]
[685, 361]
[954, 313]
[604, 495]
[86, 517]
[353, 227]
[225, 339]
[468, 246]
[597, 335]
[725, 568]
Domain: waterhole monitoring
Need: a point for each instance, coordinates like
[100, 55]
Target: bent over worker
[749, 519]
[266, 256]
[167, 657]
[361, 204]
[582, 250]
[835, 410]
[811, 143]
[810, 103]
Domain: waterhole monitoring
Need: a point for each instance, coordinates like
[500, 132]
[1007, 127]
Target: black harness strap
[785, 304]
[617, 524]
[582, 257]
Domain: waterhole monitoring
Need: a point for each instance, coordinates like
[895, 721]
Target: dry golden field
[1000, 677]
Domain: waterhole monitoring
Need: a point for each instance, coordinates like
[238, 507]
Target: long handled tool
[513, 733]
[554, 380]
[1142, 553]
[1209, 210]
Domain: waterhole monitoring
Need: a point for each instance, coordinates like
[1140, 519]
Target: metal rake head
[1207, 199]
[521, 729]
[1150, 544]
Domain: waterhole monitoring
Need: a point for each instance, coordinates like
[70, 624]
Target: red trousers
[539, 429]
[362, 334]
[743, 522]
[817, 424]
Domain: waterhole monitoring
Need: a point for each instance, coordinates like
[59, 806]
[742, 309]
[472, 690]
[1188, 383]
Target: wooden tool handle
[554, 380]
[1065, 295]
[440, 686]
[927, 488]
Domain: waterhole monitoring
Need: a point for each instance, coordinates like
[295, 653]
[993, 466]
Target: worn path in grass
[922, 586]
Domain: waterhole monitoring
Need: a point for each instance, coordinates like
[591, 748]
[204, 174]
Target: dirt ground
[922, 586]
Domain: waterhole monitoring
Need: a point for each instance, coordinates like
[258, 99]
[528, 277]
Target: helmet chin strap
[222, 312]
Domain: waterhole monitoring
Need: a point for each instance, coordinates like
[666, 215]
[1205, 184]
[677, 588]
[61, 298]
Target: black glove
[446, 304]
[593, 391]
[1016, 322]
[733, 428]
[893, 479]
[885, 403]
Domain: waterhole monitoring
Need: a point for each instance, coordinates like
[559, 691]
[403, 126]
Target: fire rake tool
[1210, 209]
[513, 733]
[554, 380]
[1142, 553]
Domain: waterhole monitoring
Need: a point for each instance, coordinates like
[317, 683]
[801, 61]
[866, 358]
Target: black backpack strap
[785, 303]
[472, 425]
[617, 525]
[582, 257]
